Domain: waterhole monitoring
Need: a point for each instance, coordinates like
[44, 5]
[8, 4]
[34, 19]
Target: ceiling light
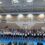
[41, 16]
[0, 16]
[30, 16]
[15, 1]
[0, 2]
[20, 16]
[8, 16]
[29, 0]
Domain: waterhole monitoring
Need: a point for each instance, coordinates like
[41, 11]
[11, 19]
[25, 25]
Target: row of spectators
[21, 32]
